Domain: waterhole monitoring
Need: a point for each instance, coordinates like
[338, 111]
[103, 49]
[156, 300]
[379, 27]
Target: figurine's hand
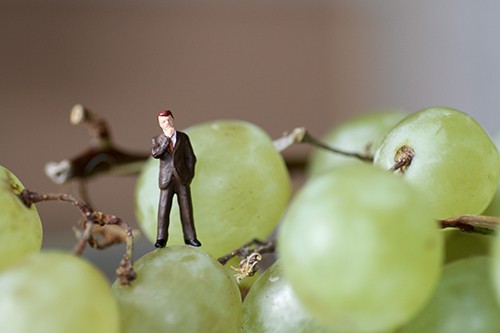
[160, 146]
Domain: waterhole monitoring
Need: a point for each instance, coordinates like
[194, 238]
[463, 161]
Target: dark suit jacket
[179, 164]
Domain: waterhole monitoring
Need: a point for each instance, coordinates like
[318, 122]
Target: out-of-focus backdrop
[276, 63]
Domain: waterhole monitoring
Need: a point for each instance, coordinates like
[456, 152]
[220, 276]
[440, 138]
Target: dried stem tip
[78, 114]
[404, 156]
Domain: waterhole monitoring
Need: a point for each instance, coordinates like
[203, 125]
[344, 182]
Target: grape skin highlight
[360, 248]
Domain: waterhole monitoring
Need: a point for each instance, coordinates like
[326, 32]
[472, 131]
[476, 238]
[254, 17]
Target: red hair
[165, 113]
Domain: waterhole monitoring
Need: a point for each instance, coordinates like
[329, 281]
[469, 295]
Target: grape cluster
[360, 247]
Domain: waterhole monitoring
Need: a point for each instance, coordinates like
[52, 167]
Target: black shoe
[161, 243]
[193, 242]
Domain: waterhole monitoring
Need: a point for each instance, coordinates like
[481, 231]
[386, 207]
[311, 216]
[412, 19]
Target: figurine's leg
[164, 206]
[186, 210]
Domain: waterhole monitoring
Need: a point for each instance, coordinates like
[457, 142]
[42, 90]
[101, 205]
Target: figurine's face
[166, 123]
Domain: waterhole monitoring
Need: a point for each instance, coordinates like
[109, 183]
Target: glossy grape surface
[361, 134]
[272, 307]
[21, 228]
[455, 162]
[54, 292]
[240, 189]
[360, 249]
[464, 301]
[179, 289]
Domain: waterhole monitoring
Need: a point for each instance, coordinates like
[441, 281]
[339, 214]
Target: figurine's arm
[158, 147]
[190, 157]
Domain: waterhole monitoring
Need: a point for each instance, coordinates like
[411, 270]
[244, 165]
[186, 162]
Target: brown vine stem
[94, 223]
[102, 156]
[300, 135]
[480, 224]
[251, 254]
[255, 245]
[402, 159]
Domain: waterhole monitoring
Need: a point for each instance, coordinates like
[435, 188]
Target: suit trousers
[183, 193]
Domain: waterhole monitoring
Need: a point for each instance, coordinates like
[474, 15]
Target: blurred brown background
[279, 64]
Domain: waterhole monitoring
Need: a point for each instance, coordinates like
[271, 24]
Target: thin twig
[309, 139]
[93, 220]
[480, 224]
[251, 254]
[300, 135]
[255, 245]
[102, 156]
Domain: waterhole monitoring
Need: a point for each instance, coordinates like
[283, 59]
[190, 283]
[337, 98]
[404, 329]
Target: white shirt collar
[174, 137]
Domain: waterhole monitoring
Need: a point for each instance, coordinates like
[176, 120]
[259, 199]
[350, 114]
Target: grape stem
[101, 157]
[254, 246]
[480, 224]
[247, 266]
[251, 254]
[300, 135]
[402, 159]
[95, 224]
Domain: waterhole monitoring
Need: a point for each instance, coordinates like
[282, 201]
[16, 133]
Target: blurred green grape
[495, 265]
[461, 245]
[464, 301]
[54, 292]
[21, 228]
[361, 249]
[494, 206]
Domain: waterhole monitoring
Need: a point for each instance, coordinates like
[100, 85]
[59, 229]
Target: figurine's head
[166, 120]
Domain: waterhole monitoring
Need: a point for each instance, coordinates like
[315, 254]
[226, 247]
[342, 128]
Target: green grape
[53, 292]
[360, 249]
[21, 228]
[464, 301]
[179, 289]
[495, 255]
[455, 161]
[239, 192]
[494, 207]
[271, 306]
[362, 134]
[461, 245]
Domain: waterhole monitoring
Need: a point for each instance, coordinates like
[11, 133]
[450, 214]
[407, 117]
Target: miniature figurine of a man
[177, 161]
